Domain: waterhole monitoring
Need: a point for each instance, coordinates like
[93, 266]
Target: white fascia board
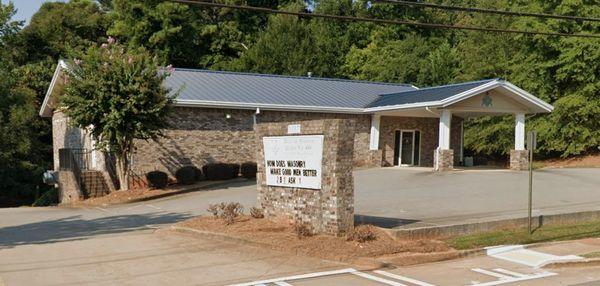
[528, 96]
[403, 106]
[469, 93]
[44, 109]
[494, 84]
[265, 106]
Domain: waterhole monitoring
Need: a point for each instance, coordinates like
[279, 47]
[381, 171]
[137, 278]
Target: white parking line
[516, 274]
[297, 277]
[154, 207]
[403, 278]
[104, 210]
[281, 283]
[378, 279]
[490, 273]
[504, 279]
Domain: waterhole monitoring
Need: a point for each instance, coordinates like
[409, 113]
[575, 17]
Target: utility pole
[531, 142]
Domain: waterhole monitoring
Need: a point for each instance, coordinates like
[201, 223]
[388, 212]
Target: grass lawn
[520, 236]
[592, 255]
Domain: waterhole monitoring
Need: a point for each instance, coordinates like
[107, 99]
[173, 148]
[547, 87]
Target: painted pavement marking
[378, 279]
[102, 209]
[518, 254]
[505, 279]
[298, 277]
[403, 278]
[153, 207]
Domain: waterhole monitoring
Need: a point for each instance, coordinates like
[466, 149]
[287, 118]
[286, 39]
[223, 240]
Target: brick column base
[519, 160]
[444, 160]
[68, 188]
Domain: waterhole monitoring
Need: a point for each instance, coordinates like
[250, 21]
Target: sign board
[294, 129]
[531, 140]
[293, 161]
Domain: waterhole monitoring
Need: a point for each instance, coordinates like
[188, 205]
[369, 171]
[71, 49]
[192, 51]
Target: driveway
[417, 197]
[120, 245]
[391, 197]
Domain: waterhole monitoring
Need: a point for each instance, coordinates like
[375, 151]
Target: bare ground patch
[589, 161]
[280, 235]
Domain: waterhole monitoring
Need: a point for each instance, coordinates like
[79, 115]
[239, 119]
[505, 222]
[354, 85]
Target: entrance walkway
[396, 197]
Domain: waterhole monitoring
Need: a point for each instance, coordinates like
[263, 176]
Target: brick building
[396, 124]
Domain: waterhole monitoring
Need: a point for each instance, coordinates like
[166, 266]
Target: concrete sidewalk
[146, 258]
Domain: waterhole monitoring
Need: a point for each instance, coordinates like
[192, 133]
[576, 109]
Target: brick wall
[429, 128]
[206, 135]
[330, 209]
[66, 136]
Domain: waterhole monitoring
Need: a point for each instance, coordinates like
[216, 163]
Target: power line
[380, 21]
[489, 11]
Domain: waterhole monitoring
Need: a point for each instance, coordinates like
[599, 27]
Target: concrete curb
[360, 263]
[218, 236]
[184, 190]
[588, 262]
[486, 226]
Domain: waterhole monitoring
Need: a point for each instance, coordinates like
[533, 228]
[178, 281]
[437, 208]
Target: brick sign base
[329, 210]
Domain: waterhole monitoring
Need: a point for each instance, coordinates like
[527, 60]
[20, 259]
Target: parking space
[486, 270]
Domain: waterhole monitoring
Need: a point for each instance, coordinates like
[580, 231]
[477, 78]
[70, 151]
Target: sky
[26, 8]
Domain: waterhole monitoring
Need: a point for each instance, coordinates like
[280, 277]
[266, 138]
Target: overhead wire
[377, 20]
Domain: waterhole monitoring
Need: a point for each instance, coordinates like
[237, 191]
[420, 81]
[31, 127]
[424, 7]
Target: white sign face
[294, 161]
[294, 129]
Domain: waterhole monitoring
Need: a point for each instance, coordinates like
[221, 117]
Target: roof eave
[45, 110]
[265, 106]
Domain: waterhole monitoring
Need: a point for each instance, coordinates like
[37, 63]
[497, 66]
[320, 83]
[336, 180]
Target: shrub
[248, 170]
[302, 230]
[220, 171]
[198, 174]
[256, 212]
[227, 211]
[157, 179]
[362, 233]
[186, 175]
[49, 198]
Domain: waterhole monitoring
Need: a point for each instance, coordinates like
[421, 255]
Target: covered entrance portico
[425, 127]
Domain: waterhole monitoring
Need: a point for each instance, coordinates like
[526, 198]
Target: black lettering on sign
[297, 172]
[275, 171]
[292, 180]
[296, 164]
[309, 173]
[280, 163]
[270, 163]
[287, 172]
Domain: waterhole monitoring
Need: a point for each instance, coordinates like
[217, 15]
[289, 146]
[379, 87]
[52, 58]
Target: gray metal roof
[427, 94]
[233, 87]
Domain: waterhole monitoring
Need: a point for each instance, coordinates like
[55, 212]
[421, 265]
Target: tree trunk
[122, 167]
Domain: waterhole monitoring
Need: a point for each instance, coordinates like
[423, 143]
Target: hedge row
[213, 172]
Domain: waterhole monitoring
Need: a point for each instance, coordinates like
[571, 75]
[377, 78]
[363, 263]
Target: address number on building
[293, 161]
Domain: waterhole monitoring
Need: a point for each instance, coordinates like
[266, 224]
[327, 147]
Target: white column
[462, 141]
[520, 131]
[444, 134]
[374, 138]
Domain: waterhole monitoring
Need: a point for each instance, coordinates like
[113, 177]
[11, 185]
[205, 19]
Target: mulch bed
[136, 195]
[280, 235]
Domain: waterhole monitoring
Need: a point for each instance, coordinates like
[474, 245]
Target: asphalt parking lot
[417, 196]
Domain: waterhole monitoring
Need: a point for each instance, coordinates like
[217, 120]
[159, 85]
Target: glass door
[407, 148]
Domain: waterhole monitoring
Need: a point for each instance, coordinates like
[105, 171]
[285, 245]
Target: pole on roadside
[531, 142]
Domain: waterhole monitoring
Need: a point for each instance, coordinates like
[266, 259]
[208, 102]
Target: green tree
[118, 94]
[22, 158]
